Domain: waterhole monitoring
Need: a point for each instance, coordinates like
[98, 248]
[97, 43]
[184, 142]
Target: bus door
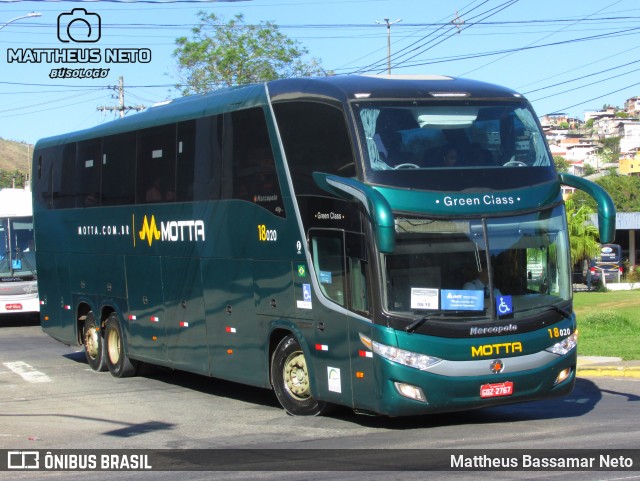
[341, 268]
[185, 326]
[146, 318]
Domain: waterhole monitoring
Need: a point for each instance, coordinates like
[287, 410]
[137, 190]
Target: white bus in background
[18, 277]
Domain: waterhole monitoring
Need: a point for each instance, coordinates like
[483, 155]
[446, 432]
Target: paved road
[50, 399]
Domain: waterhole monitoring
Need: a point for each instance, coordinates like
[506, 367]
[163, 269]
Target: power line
[121, 107]
[627, 32]
[539, 40]
[595, 98]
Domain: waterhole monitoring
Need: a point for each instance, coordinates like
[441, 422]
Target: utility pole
[386, 20]
[121, 107]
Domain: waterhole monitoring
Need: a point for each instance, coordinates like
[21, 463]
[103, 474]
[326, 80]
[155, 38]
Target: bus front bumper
[457, 386]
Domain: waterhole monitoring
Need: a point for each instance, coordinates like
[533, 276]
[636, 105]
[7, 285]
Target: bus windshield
[455, 267]
[18, 255]
[409, 143]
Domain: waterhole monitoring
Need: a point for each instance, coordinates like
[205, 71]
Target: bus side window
[118, 169]
[199, 159]
[185, 152]
[88, 166]
[156, 165]
[315, 137]
[357, 269]
[254, 176]
[42, 185]
[341, 267]
[63, 178]
[328, 261]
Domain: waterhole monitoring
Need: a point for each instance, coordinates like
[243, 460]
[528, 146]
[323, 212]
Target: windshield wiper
[417, 323]
[559, 310]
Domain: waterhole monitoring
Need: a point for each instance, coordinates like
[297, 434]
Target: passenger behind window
[479, 156]
[450, 157]
[155, 193]
[388, 136]
[478, 281]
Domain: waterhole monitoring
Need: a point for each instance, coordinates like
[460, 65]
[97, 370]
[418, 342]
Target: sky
[568, 56]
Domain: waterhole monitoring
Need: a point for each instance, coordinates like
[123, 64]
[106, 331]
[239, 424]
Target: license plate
[496, 390]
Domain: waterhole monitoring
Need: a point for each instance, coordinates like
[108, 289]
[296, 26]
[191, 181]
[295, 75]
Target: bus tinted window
[199, 159]
[185, 160]
[455, 146]
[118, 174]
[156, 165]
[45, 159]
[88, 166]
[423, 136]
[63, 179]
[254, 175]
[315, 138]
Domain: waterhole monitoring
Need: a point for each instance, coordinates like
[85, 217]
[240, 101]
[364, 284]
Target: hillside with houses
[604, 140]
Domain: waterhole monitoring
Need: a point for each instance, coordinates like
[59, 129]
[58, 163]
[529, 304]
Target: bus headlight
[565, 346]
[401, 356]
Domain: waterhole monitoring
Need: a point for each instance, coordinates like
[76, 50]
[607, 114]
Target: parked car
[607, 267]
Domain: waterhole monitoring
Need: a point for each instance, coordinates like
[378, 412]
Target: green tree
[589, 170]
[623, 189]
[583, 235]
[220, 54]
[562, 164]
[12, 179]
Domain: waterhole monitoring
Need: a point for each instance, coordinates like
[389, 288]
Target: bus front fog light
[410, 391]
[564, 374]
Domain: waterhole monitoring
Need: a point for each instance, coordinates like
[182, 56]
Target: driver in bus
[479, 281]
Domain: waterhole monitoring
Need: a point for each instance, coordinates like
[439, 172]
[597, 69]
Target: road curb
[609, 371]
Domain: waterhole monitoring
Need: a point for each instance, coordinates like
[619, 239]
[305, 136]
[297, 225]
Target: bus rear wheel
[117, 361]
[94, 344]
[290, 380]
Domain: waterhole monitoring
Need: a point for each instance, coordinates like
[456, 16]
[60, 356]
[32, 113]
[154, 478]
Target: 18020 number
[266, 235]
[556, 332]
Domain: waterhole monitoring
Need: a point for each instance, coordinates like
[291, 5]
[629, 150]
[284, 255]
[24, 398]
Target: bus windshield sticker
[504, 305]
[462, 300]
[422, 298]
[325, 277]
[333, 374]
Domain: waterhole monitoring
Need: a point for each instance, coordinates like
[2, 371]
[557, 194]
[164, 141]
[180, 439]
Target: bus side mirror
[606, 208]
[373, 201]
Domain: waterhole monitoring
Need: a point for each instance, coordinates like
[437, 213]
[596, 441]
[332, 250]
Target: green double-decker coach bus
[397, 245]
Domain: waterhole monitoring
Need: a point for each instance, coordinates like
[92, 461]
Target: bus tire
[94, 344]
[291, 382]
[117, 361]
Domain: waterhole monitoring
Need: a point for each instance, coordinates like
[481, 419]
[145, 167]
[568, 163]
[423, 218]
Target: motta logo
[149, 230]
[171, 231]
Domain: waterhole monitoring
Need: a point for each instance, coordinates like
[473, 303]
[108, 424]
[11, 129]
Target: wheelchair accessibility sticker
[305, 303]
[504, 305]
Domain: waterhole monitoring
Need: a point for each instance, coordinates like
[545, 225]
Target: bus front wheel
[94, 344]
[117, 361]
[290, 380]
